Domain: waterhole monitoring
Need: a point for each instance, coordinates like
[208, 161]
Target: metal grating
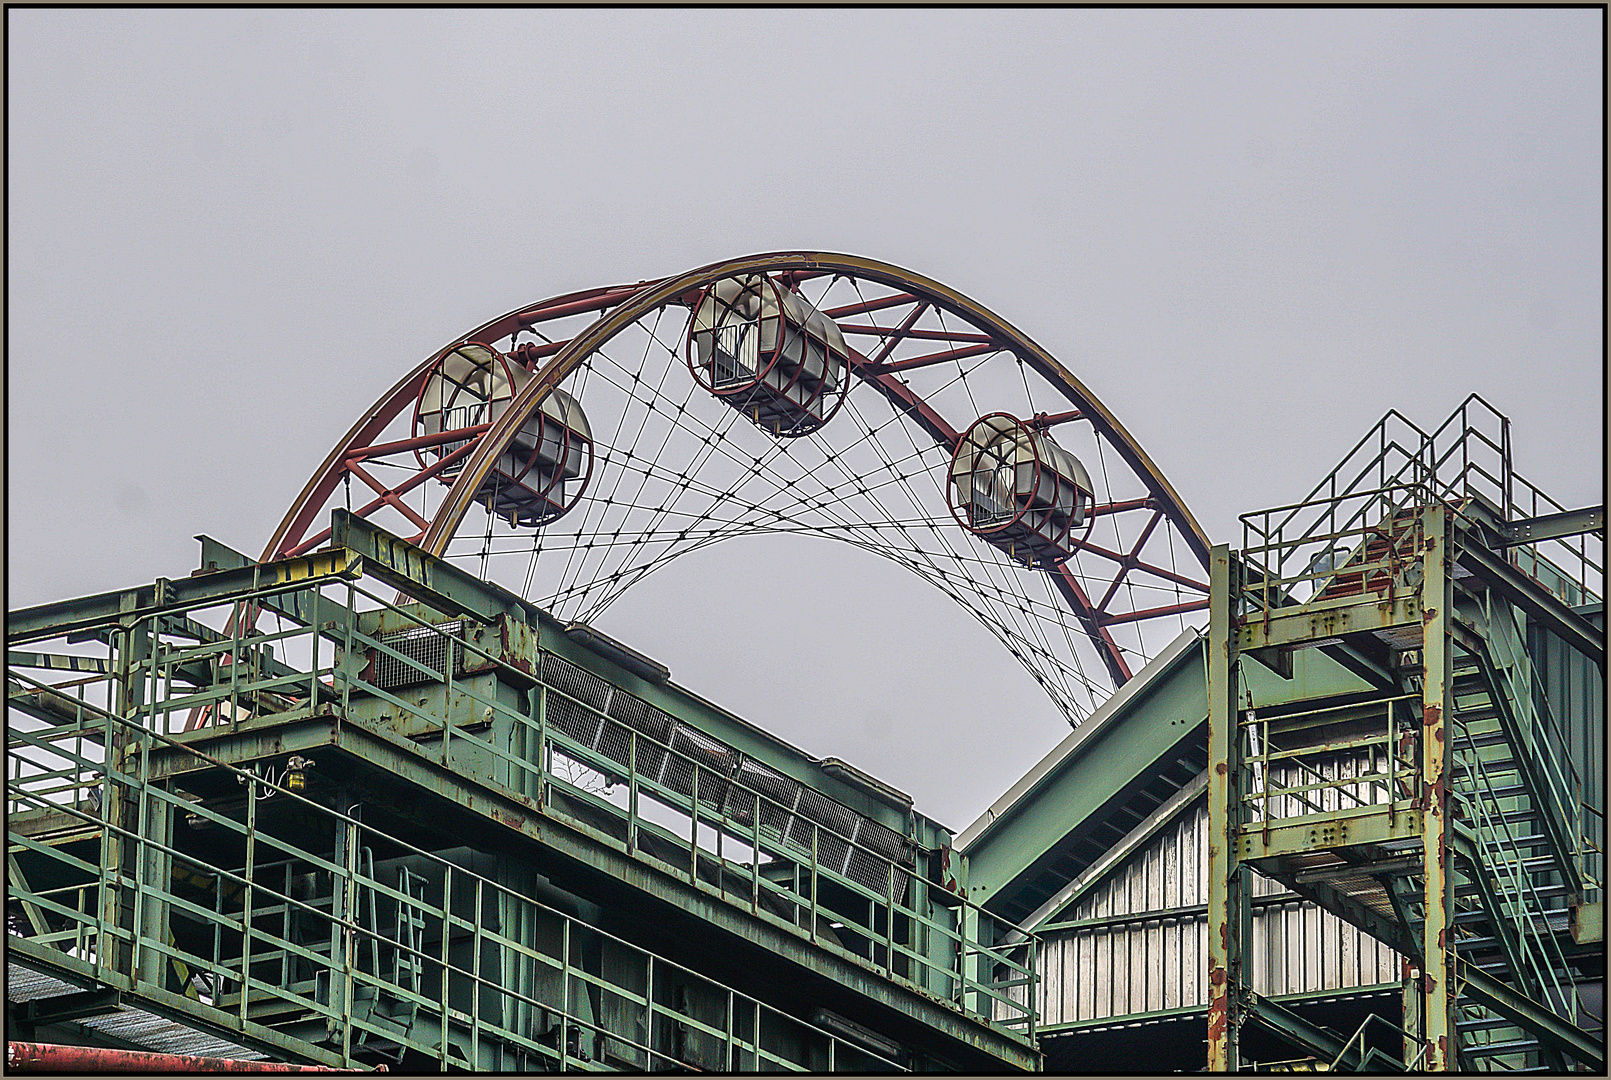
[434, 647]
[133, 1026]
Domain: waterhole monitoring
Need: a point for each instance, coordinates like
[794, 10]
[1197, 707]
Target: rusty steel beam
[1148, 503]
[1437, 968]
[1156, 571]
[903, 398]
[363, 453]
[401, 489]
[1090, 620]
[1226, 902]
[1130, 562]
[900, 333]
[33, 1057]
[866, 306]
[392, 499]
[1042, 421]
[1153, 613]
[527, 351]
[323, 482]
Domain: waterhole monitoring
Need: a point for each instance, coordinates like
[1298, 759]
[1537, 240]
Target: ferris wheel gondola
[882, 409]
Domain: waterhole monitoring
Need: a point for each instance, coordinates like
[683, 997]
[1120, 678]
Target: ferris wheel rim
[622, 306]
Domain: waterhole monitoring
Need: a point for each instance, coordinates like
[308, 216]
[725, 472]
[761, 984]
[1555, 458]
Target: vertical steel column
[1437, 945]
[342, 907]
[475, 975]
[247, 897]
[124, 806]
[1413, 1038]
[447, 938]
[1226, 902]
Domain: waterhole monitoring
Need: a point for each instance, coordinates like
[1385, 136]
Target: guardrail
[261, 938]
[1394, 468]
[1288, 773]
[79, 746]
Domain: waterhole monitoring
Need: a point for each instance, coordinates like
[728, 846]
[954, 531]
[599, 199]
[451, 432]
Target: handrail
[1359, 1033]
[993, 976]
[352, 927]
[1468, 454]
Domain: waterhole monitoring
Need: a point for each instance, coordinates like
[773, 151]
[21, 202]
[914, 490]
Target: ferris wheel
[570, 448]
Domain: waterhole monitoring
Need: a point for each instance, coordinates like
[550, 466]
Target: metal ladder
[409, 933]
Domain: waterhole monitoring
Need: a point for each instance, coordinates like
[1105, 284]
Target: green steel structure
[433, 828]
[1357, 823]
[1444, 810]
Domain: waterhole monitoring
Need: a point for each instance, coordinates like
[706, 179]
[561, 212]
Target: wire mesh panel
[435, 648]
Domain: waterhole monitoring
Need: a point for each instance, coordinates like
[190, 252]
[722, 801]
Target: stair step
[1537, 890]
[1514, 1046]
[1530, 840]
[1506, 791]
[1481, 739]
[1482, 1023]
[1537, 864]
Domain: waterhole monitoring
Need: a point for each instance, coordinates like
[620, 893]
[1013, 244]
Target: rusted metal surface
[363, 740]
[1437, 945]
[1225, 899]
[32, 1057]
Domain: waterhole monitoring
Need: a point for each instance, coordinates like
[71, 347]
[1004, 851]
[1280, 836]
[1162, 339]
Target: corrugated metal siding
[1161, 962]
[1575, 690]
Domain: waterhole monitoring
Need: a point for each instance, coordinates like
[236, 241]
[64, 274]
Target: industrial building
[1333, 796]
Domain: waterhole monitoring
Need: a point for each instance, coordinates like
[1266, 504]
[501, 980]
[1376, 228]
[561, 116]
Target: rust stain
[1219, 767]
[1219, 1006]
[1431, 715]
[1428, 614]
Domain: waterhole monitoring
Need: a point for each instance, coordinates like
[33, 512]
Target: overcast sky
[1250, 233]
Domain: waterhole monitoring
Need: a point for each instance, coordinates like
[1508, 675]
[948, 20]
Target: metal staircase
[1439, 810]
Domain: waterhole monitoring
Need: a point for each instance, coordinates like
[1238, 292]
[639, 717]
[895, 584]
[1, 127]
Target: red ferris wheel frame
[623, 305]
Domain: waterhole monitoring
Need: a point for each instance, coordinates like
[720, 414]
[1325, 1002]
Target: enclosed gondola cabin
[543, 470]
[764, 350]
[1015, 487]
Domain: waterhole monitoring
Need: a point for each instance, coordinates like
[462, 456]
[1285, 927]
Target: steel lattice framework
[676, 469]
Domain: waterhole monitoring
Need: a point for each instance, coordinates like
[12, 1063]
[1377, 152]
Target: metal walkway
[275, 804]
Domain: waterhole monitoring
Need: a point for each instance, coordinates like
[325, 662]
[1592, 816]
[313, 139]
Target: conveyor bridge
[359, 807]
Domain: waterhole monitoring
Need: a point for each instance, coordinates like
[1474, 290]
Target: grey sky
[1249, 232]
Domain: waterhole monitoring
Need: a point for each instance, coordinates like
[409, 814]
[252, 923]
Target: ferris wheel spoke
[867, 457]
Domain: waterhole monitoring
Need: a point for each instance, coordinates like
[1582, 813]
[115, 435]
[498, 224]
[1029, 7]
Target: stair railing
[1541, 948]
[1359, 1034]
[1540, 735]
[1527, 909]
